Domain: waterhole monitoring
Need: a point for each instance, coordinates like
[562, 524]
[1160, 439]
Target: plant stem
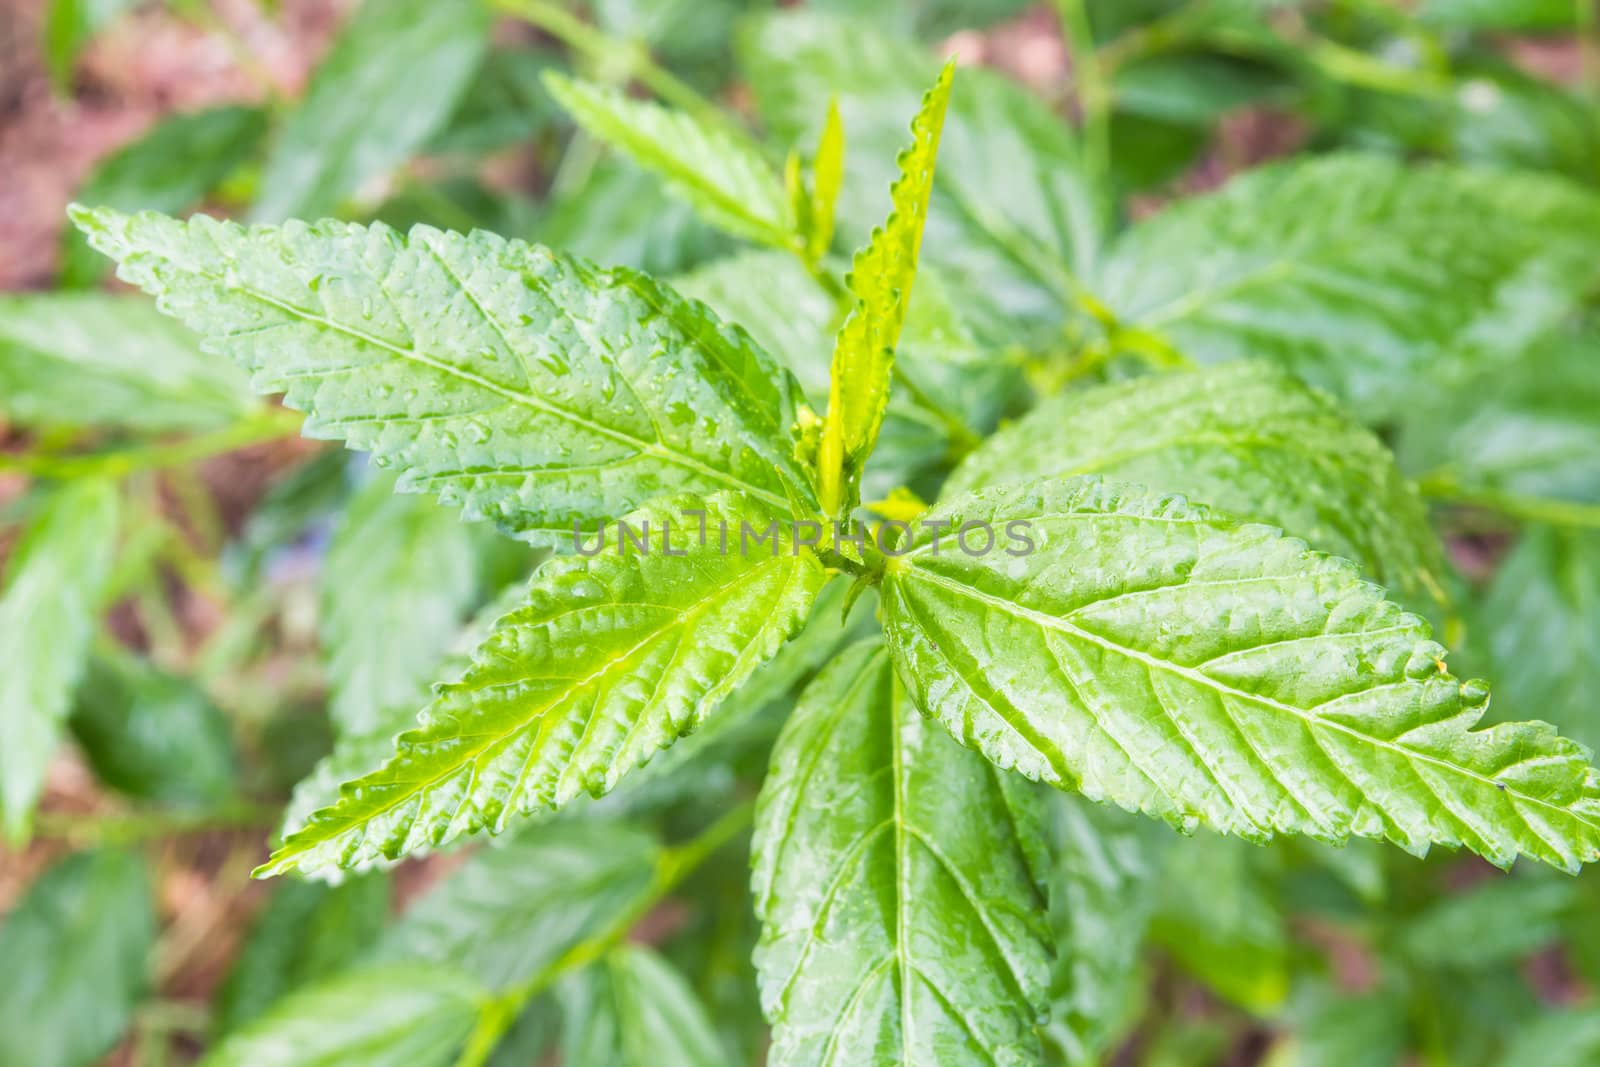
[130, 827]
[1444, 488]
[672, 867]
[269, 424]
[603, 49]
[1093, 91]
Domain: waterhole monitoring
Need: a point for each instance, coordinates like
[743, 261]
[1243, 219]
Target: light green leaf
[93, 359]
[376, 1017]
[153, 735]
[1570, 1035]
[390, 82]
[306, 933]
[399, 575]
[880, 282]
[1010, 237]
[608, 661]
[827, 181]
[68, 26]
[1102, 891]
[76, 945]
[527, 386]
[1360, 274]
[55, 578]
[170, 168]
[1247, 438]
[1208, 673]
[1540, 622]
[633, 1009]
[511, 914]
[715, 169]
[896, 881]
[1521, 15]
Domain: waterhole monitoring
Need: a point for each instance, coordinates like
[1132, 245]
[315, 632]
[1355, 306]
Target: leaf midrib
[1198, 678]
[654, 448]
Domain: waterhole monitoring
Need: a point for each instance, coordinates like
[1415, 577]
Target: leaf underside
[1204, 672]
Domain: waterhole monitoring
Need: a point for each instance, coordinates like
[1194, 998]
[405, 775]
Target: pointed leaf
[635, 1010]
[827, 179]
[1208, 673]
[93, 359]
[48, 608]
[377, 1017]
[390, 82]
[719, 172]
[895, 877]
[399, 575]
[1247, 438]
[608, 661]
[880, 282]
[527, 386]
[76, 945]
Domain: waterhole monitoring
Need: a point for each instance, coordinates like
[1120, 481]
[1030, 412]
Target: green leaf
[895, 878]
[715, 169]
[633, 1009]
[68, 27]
[92, 359]
[621, 215]
[306, 933]
[1540, 621]
[1519, 15]
[505, 105]
[1337, 1030]
[1010, 237]
[1360, 274]
[153, 735]
[170, 168]
[1525, 427]
[400, 574]
[55, 578]
[827, 181]
[390, 82]
[512, 914]
[376, 1017]
[527, 386]
[608, 661]
[1102, 892]
[1246, 438]
[76, 945]
[1570, 1035]
[1208, 673]
[1475, 930]
[1231, 935]
[880, 284]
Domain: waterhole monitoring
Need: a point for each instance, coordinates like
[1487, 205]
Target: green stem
[1093, 90]
[602, 49]
[672, 867]
[269, 424]
[131, 827]
[1444, 488]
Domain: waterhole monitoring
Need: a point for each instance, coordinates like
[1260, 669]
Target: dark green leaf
[634, 1010]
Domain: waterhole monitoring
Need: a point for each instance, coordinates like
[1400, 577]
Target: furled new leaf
[399, 575]
[76, 948]
[609, 660]
[1246, 438]
[391, 81]
[527, 386]
[633, 1009]
[896, 881]
[1358, 273]
[93, 359]
[712, 166]
[880, 283]
[1209, 673]
[55, 578]
[394, 1016]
